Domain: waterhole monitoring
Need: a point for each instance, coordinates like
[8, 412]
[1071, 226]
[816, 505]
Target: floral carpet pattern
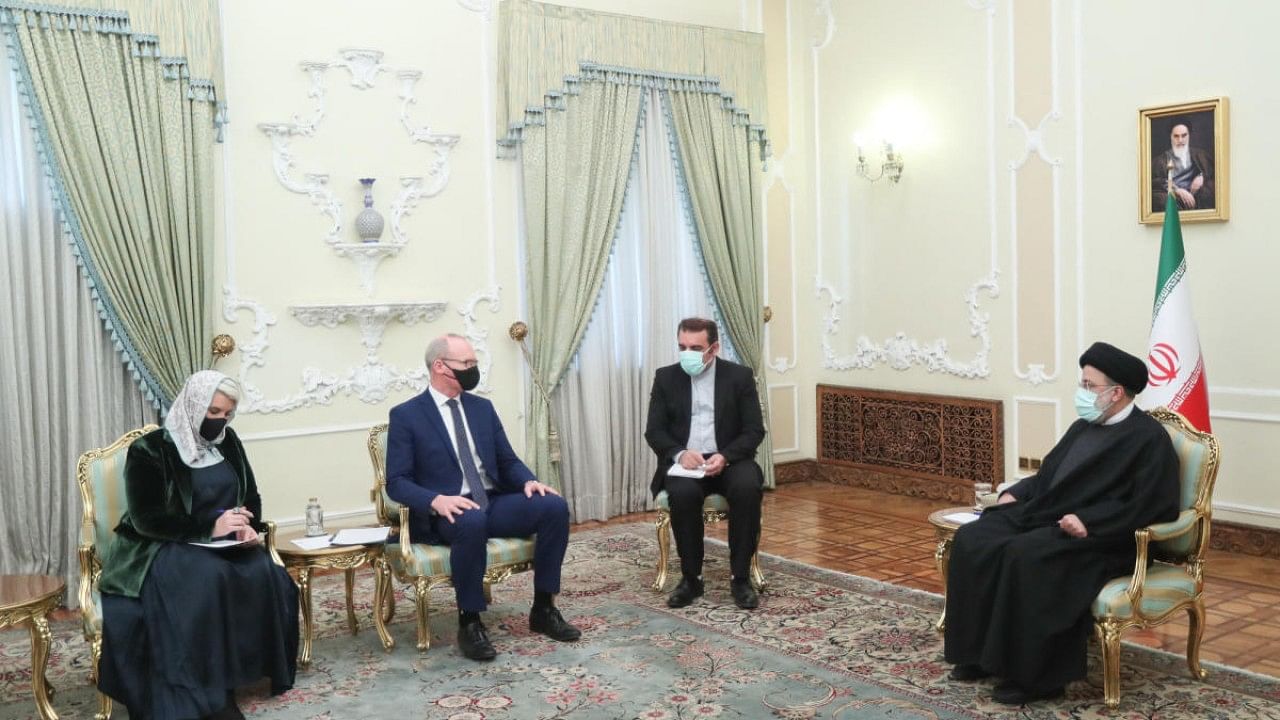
[822, 645]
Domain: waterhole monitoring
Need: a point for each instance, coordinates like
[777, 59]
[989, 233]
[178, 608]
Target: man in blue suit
[449, 462]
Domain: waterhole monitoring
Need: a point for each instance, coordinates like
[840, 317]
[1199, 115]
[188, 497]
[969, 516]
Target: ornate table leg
[381, 588]
[942, 558]
[304, 601]
[40, 640]
[351, 612]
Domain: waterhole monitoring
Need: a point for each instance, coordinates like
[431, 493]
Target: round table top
[939, 517]
[286, 548]
[22, 590]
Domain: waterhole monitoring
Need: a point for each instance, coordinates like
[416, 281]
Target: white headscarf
[188, 412]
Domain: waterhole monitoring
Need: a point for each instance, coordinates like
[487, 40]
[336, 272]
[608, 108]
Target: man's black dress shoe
[685, 593]
[473, 641]
[230, 711]
[968, 673]
[1008, 693]
[548, 621]
[744, 596]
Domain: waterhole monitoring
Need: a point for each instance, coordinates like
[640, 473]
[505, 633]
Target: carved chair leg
[488, 593]
[388, 598]
[95, 656]
[663, 526]
[381, 588]
[423, 601]
[1108, 633]
[757, 577]
[1195, 631]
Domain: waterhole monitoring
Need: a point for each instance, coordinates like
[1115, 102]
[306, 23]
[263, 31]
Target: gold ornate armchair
[427, 566]
[100, 474]
[1175, 580]
[714, 509]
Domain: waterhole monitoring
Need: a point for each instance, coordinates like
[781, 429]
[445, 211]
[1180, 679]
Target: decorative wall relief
[364, 66]
[478, 336]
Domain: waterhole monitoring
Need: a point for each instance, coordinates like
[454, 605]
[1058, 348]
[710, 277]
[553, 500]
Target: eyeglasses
[1085, 384]
[466, 364]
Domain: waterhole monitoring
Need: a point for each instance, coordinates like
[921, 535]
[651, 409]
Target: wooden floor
[888, 538]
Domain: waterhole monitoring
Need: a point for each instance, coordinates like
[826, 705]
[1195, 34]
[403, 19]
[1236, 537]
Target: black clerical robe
[1019, 588]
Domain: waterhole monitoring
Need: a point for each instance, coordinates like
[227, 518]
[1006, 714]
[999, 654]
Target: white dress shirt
[702, 421]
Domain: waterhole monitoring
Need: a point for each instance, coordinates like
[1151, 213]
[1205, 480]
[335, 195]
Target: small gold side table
[29, 599]
[302, 563]
[945, 531]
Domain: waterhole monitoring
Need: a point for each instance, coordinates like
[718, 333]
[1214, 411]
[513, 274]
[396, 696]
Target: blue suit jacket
[422, 463]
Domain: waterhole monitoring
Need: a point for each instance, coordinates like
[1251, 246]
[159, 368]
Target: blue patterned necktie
[469, 471]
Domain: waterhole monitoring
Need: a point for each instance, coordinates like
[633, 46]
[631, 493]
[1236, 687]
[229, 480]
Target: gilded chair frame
[91, 558]
[710, 516]
[398, 521]
[1193, 523]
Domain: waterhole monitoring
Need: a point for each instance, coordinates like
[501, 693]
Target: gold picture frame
[1201, 174]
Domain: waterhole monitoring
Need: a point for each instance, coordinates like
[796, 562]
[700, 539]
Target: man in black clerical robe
[1023, 576]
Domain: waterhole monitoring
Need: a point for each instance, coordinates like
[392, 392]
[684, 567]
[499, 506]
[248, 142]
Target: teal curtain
[575, 167]
[722, 177]
[127, 137]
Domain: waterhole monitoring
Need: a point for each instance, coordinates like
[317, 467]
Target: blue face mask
[1086, 405]
[691, 362]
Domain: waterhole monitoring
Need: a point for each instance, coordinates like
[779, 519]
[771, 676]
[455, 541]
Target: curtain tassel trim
[591, 72]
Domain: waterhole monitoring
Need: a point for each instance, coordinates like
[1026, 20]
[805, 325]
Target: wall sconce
[890, 167]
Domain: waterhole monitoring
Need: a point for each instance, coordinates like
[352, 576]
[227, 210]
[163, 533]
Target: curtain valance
[547, 51]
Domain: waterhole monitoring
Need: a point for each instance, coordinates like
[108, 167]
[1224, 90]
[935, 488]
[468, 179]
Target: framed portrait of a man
[1182, 151]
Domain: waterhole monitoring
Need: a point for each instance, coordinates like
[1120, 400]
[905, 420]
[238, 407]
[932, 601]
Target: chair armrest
[271, 542]
[88, 610]
[1185, 522]
[406, 551]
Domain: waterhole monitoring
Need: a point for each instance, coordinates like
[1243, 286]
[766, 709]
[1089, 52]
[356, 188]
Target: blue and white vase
[369, 222]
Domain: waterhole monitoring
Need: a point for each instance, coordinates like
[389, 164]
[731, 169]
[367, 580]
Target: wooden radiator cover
[932, 446]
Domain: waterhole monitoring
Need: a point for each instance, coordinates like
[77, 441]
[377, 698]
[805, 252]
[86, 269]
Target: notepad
[960, 518]
[319, 542]
[678, 470]
[361, 536]
[220, 544]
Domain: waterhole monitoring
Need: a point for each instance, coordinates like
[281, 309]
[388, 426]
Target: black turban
[1125, 369]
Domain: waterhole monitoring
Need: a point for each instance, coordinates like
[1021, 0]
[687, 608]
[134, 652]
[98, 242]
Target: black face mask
[468, 378]
[211, 428]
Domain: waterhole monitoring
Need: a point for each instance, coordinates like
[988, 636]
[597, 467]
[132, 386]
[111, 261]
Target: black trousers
[742, 484]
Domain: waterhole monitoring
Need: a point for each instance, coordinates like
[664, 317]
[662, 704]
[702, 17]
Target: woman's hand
[247, 534]
[235, 520]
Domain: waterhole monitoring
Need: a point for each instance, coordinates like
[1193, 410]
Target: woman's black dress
[206, 622]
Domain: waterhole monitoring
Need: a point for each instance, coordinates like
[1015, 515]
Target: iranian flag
[1175, 369]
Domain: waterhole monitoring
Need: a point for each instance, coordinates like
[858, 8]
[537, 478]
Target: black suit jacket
[739, 423]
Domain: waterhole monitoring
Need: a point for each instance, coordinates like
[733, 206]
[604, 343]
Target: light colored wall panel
[783, 419]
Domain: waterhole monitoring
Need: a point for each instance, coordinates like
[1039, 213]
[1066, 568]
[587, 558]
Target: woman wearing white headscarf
[183, 625]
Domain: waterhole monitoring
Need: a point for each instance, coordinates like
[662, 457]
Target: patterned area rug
[822, 645]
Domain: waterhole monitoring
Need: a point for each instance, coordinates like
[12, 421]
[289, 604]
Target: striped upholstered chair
[714, 509]
[1175, 580]
[100, 474]
[427, 566]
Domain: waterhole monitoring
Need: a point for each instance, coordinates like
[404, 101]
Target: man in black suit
[704, 415]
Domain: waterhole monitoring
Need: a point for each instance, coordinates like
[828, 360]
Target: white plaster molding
[1245, 392]
[362, 427]
[1078, 25]
[1034, 144]
[1248, 514]
[1245, 416]
[478, 336]
[821, 37]
[900, 351]
[484, 8]
[777, 174]
[365, 66]
[372, 318]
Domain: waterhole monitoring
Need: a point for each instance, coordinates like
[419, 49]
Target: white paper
[361, 536]
[219, 544]
[678, 470]
[961, 518]
[318, 542]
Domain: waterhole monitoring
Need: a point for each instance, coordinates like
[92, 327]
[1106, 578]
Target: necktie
[469, 471]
